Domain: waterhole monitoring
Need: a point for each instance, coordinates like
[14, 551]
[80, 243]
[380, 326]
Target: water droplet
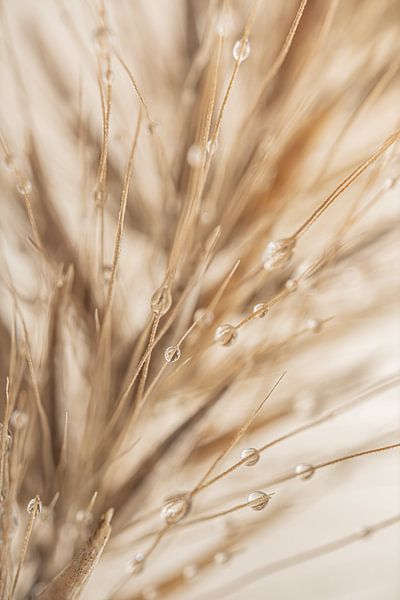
[241, 50]
[292, 285]
[314, 325]
[221, 558]
[99, 198]
[24, 186]
[365, 532]
[260, 310]
[176, 508]
[135, 566]
[258, 500]
[305, 403]
[190, 571]
[9, 161]
[388, 184]
[304, 471]
[252, 455]
[150, 593]
[212, 146]
[278, 254]
[34, 504]
[9, 438]
[203, 317]
[225, 335]
[18, 419]
[224, 23]
[195, 156]
[161, 301]
[84, 516]
[102, 39]
[172, 354]
[108, 76]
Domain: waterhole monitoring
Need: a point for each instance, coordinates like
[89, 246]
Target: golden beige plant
[199, 316]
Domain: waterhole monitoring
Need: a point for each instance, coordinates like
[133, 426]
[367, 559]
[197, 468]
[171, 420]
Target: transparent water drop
[225, 335]
[18, 419]
[99, 198]
[258, 500]
[203, 317]
[24, 186]
[221, 558]
[102, 39]
[9, 161]
[304, 471]
[34, 504]
[150, 593]
[172, 354]
[241, 50]
[212, 146]
[305, 403]
[108, 76]
[314, 325]
[260, 310]
[224, 23]
[161, 301]
[252, 455]
[136, 565]
[190, 571]
[9, 437]
[292, 285]
[388, 184]
[195, 156]
[84, 517]
[278, 254]
[176, 508]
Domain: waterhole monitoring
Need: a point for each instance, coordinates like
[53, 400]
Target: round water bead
[258, 500]
[195, 156]
[203, 317]
[241, 50]
[150, 593]
[18, 419]
[260, 310]
[9, 437]
[9, 161]
[278, 254]
[175, 508]
[34, 504]
[388, 184]
[172, 354]
[292, 285]
[314, 325]
[190, 571]
[304, 471]
[135, 566]
[225, 335]
[161, 301]
[24, 186]
[84, 516]
[212, 146]
[221, 558]
[252, 455]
